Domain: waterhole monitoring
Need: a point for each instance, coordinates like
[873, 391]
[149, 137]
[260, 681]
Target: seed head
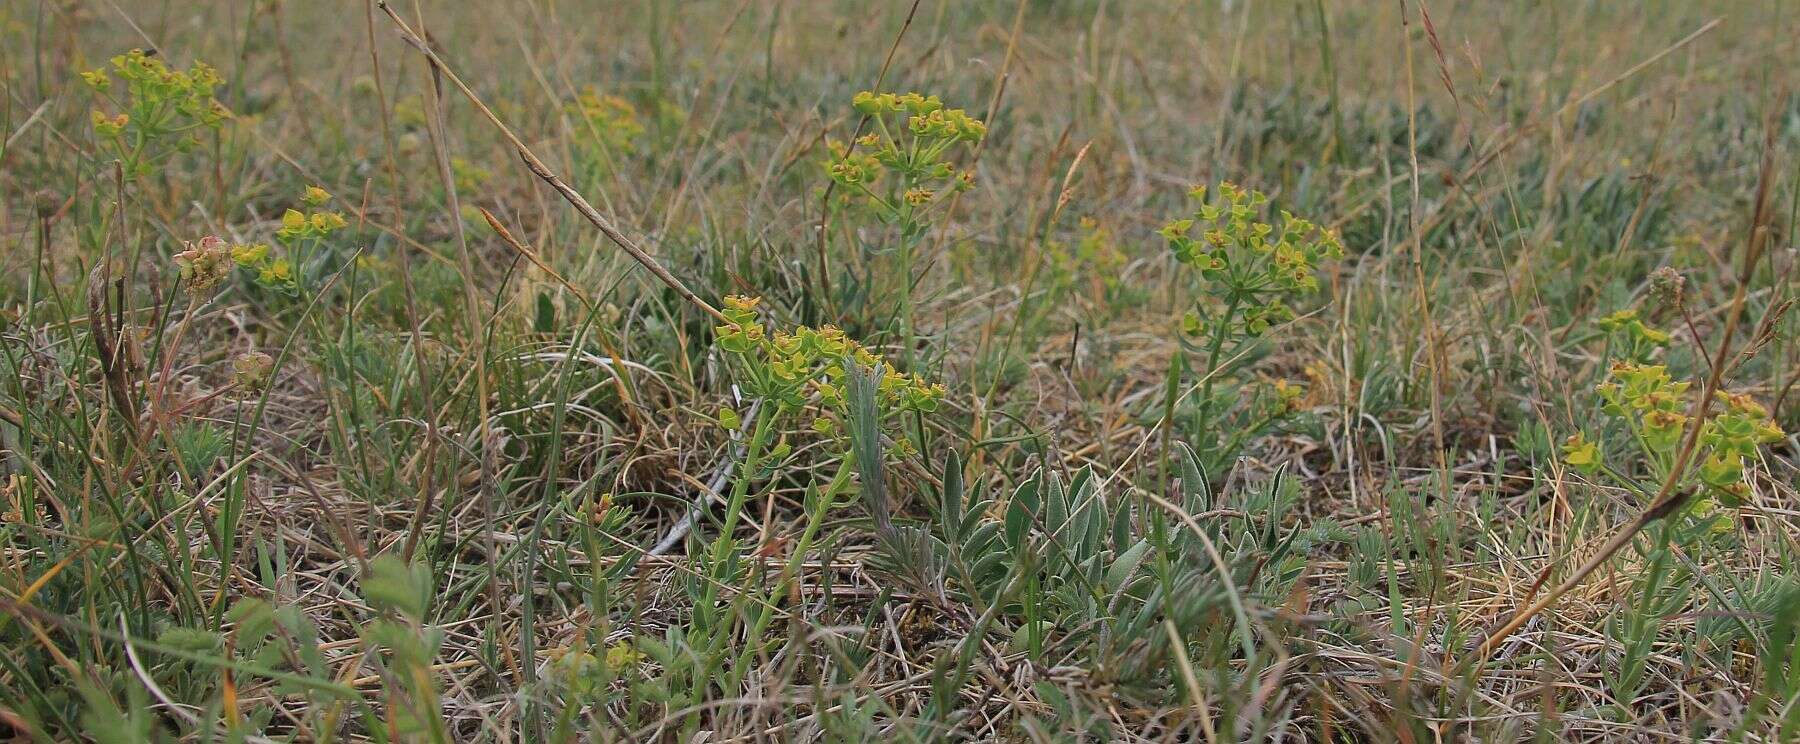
[45, 202]
[1666, 284]
[251, 370]
[204, 264]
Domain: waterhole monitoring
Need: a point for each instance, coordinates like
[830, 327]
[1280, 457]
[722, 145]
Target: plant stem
[1220, 330]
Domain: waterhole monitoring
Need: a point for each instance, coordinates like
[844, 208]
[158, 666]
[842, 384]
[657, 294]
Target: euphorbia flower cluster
[807, 366]
[1653, 408]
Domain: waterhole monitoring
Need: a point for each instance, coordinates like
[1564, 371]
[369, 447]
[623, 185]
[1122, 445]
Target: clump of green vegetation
[1250, 270]
[1650, 408]
[354, 387]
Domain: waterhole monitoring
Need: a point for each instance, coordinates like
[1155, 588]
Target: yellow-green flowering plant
[607, 126]
[1251, 268]
[303, 235]
[1248, 266]
[1087, 267]
[207, 263]
[1652, 410]
[155, 110]
[1640, 446]
[903, 174]
[805, 371]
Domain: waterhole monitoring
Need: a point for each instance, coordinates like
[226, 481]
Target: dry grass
[487, 492]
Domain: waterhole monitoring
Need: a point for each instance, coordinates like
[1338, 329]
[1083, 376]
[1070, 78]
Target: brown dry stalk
[544, 173]
[437, 131]
[1433, 341]
[1668, 498]
[429, 454]
[109, 344]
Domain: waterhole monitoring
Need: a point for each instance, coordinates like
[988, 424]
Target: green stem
[1220, 331]
[740, 489]
[906, 285]
[815, 519]
[722, 558]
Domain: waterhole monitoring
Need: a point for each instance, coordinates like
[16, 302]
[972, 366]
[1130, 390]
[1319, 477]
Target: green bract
[1631, 336]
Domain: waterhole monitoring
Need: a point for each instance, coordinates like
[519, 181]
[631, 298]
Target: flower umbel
[159, 110]
[913, 138]
[806, 366]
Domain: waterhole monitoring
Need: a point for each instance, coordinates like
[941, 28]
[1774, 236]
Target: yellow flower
[1651, 335]
[1741, 403]
[278, 271]
[326, 222]
[742, 302]
[1662, 429]
[106, 126]
[622, 656]
[249, 255]
[97, 79]
[1288, 394]
[1581, 454]
[315, 196]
